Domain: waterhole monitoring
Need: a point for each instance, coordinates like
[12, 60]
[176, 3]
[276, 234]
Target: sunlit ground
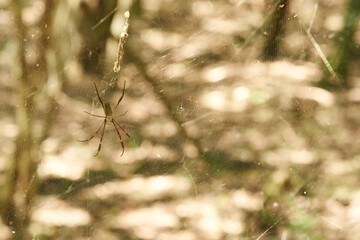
[279, 157]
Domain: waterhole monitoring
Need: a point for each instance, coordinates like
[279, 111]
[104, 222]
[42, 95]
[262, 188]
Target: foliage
[222, 146]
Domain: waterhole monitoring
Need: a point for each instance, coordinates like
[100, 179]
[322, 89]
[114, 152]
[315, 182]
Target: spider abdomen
[108, 110]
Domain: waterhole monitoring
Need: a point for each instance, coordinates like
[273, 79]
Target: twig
[123, 36]
[313, 16]
[104, 18]
[189, 174]
[318, 49]
[268, 229]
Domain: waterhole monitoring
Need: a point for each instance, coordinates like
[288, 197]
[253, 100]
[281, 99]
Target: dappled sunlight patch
[246, 200]
[152, 5]
[241, 94]
[195, 207]
[214, 100]
[259, 96]
[141, 109]
[353, 95]
[33, 13]
[159, 129]
[321, 96]
[159, 40]
[175, 70]
[7, 147]
[4, 164]
[302, 156]
[50, 145]
[146, 151]
[177, 235]
[71, 163]
[74, 71]
[210, 219]
[6, 17]
[233, 226]
[194, 130]
[8, 129]
[303, 214]
[147, 223]
[334, 22]
[337, 166]
[216, 74]
[280, 72]
[203, 215]
[327, 117]
[197, 45]
[233, 100]
[209, 226]
[256, 139]
[286, 157]
[222, 26]
[334, 216]
[253, 71]
[191, 150]
[144, 189]
[5, 231]
[8, 133]
[342, 214]
[229, 139]
[213, 19]
[294, 43]
[357, 37]
[353, 215]
[119, 27]
[229, 146]
[202, 8]
[290, 71]
[55, 212]
[288, 136]
[263, 115]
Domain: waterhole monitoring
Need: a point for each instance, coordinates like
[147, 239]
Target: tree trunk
[274, 28]
[21, 180]
[94, 40]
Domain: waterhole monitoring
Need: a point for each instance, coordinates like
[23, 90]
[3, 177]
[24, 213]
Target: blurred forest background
[243, 115]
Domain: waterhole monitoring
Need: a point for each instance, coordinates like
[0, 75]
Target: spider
[109, 119]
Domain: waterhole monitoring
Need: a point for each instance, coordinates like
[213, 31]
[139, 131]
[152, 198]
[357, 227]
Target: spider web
[215, 150]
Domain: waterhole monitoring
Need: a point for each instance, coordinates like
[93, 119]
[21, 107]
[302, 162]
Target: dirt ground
[222, 144]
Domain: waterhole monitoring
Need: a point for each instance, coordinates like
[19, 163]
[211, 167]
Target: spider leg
[122, 95]
[94, 115]
[93, 134]
[121, 141]
[102, 135]
[121, 128]
[122, 114]
[97, 93]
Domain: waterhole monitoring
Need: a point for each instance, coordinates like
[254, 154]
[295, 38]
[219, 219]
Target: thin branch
[313, 16]
[123, 36]
[323, 57]
[318, 49]
[104, 18]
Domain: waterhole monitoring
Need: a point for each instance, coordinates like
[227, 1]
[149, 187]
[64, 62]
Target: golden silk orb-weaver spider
[109, 119]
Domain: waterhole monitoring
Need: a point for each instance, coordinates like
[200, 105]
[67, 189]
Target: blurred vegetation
[344, 49]
[277, 11]
[238, 130]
